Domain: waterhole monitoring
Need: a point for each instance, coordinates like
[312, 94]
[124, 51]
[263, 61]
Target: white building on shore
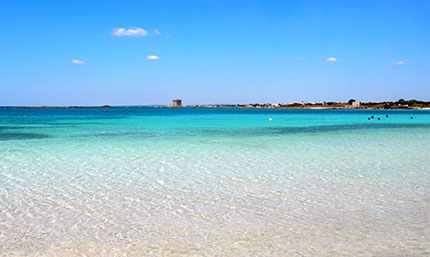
[356, 104]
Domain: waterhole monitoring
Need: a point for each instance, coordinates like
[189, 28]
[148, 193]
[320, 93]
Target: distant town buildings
[177, 103]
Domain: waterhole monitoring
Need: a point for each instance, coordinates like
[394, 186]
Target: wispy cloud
[398, 63]
[301, 58]
[78, 61]
[153, 57]
[157, 32]
[131, 32]
[331, 59]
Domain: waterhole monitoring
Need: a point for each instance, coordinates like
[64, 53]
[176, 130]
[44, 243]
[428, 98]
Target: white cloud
[331, 59]
[131, 32]
[156, 32]
[153, 57]
[78, 62]
[301, 58]
[398, 63]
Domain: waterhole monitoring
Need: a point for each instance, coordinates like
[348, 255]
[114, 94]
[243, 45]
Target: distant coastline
[56, 107]
[350, 105]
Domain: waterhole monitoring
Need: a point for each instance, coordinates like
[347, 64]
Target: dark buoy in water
[387, 115]
[412, 118]
[372, 117]
[379, 118]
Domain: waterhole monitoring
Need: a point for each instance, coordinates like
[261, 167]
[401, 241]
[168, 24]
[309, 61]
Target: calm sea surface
[225, 182]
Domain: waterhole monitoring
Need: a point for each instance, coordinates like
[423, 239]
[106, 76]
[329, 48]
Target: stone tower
[177, 103]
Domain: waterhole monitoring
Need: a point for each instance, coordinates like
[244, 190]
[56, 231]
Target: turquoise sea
[214, 182]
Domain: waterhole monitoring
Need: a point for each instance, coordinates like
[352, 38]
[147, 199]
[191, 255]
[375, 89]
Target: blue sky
[149, 52]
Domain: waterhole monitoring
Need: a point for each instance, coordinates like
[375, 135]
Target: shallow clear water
[226, 182]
